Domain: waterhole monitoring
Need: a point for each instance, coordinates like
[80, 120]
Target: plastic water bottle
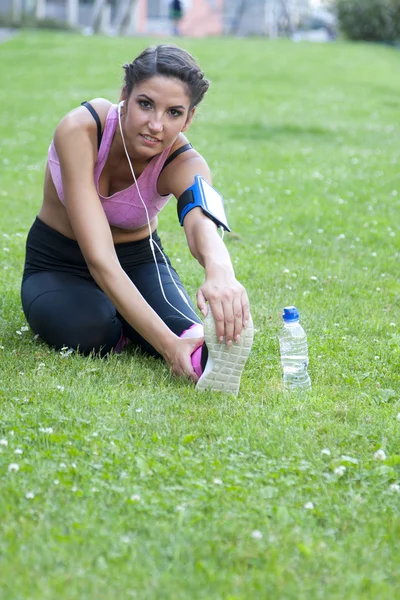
[294, 352]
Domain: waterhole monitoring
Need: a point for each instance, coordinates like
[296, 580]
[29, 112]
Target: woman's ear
[189, 119]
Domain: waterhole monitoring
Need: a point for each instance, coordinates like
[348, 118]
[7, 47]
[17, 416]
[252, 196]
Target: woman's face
[156, 111]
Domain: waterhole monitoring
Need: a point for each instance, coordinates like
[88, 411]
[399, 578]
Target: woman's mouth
[149, 138]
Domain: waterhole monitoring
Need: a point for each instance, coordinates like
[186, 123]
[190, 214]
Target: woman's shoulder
[79, 126]
[182, 167]
[101, 106]
[80, 116]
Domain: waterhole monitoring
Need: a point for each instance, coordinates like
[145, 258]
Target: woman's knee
[83, 325]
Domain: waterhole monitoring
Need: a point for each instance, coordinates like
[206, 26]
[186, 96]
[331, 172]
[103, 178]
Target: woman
[95, 276]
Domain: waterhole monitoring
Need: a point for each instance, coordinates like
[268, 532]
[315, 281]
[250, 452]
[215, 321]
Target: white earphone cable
[151, 240]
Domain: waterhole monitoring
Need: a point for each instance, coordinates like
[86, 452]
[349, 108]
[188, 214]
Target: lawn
[119, 481]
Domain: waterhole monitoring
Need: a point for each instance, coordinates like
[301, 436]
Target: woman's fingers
[230, 309]
[202, 303]
[182, 365]
[238, 318]
[217, 310]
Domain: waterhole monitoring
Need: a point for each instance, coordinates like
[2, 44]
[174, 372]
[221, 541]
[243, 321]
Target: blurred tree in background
[370, 20]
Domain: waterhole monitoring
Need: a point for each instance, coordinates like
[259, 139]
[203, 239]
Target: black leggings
[64, 305]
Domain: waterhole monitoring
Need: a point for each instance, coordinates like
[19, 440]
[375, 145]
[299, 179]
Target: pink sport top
[123, 209]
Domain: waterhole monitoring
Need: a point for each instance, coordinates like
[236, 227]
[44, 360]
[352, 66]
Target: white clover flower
[340, 470]
[395, 488]
[313, 278]
[74, 488]
[180, 508]
[309, 506]
[256, 534]
[3, 443]
[380, 454]
[350, 459]
[65, 351]
[325, 451]
[29, 495]
[13, 468]
[18, 451]
[25, 328]
[139, 410]
[56, 482]
[135, 497]
[217, 481]
[60, 387]
[46, 429]
[230, 439]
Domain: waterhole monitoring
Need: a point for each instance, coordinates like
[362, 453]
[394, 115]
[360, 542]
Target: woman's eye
[175, 113]
[144, 104]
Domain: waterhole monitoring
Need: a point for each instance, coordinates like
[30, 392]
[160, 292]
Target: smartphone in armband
[202, 194]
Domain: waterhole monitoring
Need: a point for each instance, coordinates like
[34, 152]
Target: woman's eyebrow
[152, 101]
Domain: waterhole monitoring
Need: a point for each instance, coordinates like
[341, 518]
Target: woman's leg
[145, 278]
[68, 310]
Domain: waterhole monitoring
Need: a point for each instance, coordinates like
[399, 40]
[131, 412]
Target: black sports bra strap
[97, 119]
[175, 154]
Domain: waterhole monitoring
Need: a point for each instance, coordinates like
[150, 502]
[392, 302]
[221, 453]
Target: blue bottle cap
[290, 314]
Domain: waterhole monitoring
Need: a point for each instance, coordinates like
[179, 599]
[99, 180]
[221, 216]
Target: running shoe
[224, 365]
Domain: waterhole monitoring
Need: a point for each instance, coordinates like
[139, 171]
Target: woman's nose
[156, 126]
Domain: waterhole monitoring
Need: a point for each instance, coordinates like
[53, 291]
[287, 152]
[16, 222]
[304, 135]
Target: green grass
[141, 487]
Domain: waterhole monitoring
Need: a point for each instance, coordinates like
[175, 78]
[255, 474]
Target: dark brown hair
[169, 61]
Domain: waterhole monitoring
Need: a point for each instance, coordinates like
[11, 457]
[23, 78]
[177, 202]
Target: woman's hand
[229, 305]
[178, 356]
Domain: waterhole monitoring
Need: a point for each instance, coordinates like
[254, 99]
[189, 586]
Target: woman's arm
[226, 296]
[76, 153]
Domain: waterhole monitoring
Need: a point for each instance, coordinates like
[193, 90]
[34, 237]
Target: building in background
[202, 18]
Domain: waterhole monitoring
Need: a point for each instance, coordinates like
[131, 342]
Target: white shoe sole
[225, 365]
